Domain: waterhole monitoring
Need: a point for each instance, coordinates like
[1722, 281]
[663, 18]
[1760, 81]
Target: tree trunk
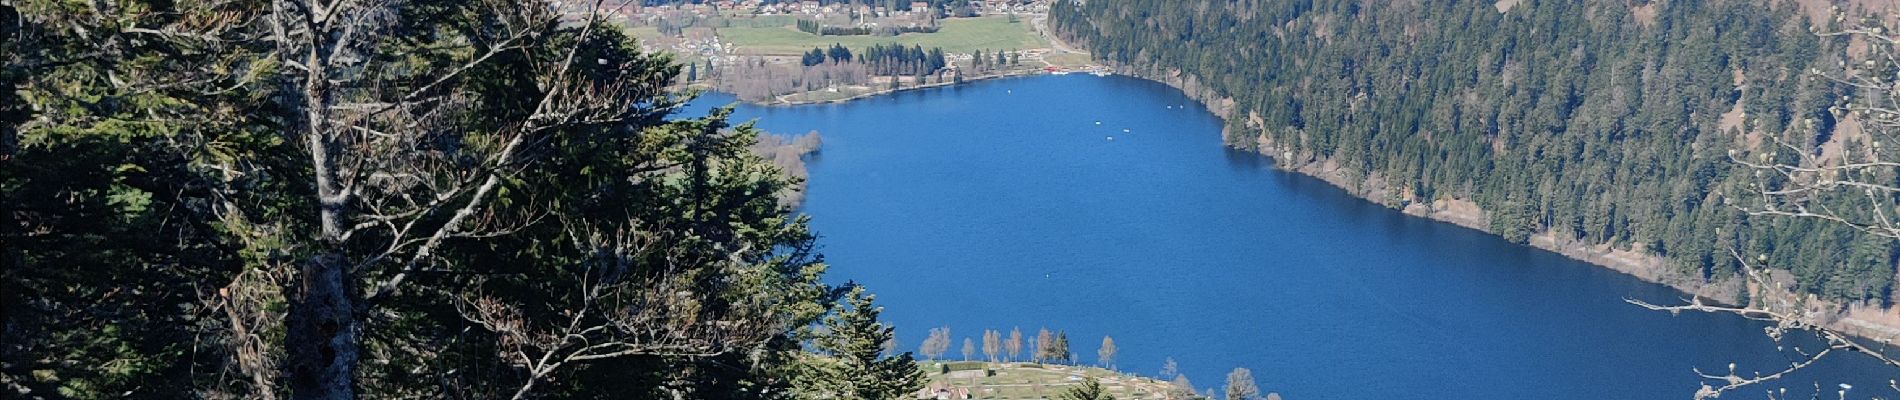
[323, 336]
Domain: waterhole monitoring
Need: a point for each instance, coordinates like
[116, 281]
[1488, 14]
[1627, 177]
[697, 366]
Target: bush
[964, 366]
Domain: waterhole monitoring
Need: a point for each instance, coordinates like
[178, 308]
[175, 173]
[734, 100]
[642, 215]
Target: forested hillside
[1593, 121]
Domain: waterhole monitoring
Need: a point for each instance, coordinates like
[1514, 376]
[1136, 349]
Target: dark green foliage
[897, 59]
[1602, 122]
[1062, 352]
[159, 209]
[964, 366]
[838, 53]
[861, 371]
[1089, 389]
[813, 57]
[111, 257]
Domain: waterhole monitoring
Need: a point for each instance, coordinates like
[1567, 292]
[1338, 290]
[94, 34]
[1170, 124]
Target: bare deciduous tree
[1015, 343]
[1241, 385]
[1786, 315]
[992, 344]
[1180, 389]
[1045, 345]
[611, 314]
[935, 345]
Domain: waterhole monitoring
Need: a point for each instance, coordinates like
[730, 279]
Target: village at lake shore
[815, 52]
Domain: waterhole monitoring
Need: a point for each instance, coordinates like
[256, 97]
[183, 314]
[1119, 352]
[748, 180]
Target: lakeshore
[1868, 322]
[1216, 256]
[760, 56]
[793, 100]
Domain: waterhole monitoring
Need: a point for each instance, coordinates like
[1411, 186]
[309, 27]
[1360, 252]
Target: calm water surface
[1004, 204]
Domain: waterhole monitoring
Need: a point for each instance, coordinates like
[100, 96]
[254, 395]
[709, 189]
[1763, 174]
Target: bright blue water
[1003, 204]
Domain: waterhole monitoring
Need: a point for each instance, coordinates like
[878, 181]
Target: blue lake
[1004, 204]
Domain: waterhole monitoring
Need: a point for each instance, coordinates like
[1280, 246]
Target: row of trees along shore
[1047, 347]
[893, 64]
[896, 59]
[1053, 347]
[333, 199]
[1741, 142]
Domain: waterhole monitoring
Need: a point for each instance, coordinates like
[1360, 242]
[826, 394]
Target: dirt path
[1041, 24]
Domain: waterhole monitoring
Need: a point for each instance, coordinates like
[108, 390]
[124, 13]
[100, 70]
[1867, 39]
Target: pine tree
[1090, 389]
[857, 339]
[1062, 352]
[225, 198]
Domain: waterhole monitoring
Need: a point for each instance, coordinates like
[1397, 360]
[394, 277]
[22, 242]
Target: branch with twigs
[1785, 316]
[615, 312]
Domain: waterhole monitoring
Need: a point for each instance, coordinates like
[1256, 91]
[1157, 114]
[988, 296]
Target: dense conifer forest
[1603, 121]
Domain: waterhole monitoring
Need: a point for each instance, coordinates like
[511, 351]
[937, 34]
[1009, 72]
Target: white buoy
[1124, 131]
[1111, 138]
[1098, 122]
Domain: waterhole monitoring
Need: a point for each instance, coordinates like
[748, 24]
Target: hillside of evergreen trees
[1604, 121]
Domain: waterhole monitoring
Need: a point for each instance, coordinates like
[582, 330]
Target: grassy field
[1069, 60]
[959, 35]
[643, 32]
[1028, 381]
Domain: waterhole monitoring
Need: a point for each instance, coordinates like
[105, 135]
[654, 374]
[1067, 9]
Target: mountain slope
[1598, 128]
